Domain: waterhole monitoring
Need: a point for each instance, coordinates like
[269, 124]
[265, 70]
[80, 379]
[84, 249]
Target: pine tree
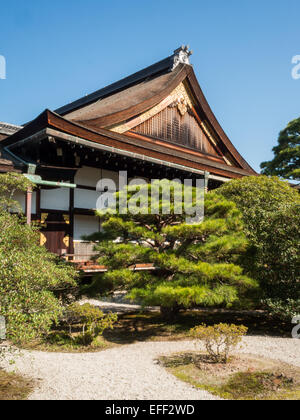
[286, 162]
[194, 264]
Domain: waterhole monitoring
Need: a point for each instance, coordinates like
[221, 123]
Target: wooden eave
[143, 147]
[8, 166]
[211, 118]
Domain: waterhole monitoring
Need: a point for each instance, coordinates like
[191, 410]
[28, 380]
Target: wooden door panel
[56, 233]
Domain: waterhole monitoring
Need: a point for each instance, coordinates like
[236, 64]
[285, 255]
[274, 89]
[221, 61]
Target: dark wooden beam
[71, 215]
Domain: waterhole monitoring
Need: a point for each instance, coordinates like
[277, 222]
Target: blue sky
[58, 51]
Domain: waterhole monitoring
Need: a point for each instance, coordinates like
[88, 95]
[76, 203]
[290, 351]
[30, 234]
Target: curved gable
[153, 104]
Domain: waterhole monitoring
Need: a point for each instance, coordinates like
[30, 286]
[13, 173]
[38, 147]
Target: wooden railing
[90, 266]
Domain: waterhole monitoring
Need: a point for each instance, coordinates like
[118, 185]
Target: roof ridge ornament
[182, 56]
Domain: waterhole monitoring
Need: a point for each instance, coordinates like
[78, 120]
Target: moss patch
[14, 387]
[60, 342]
[253, 385]
[244, 378]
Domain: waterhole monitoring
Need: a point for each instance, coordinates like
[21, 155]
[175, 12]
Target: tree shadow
[151, 326]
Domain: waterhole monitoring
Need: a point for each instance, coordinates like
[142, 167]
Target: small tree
[271, 212]
[30, 277]
[10, 184]
[286, 162]
[194, 264]
[94, 322]
[219, 340]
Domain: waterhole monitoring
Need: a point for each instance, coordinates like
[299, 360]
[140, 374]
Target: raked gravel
[129, 372]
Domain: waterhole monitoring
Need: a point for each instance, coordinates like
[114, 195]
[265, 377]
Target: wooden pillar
[71, 215]
[28, 205]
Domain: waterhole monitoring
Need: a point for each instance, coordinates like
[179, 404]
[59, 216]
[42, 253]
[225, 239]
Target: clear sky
[57, 51]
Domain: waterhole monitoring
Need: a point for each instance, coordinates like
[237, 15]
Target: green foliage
[195, 264]
[285, 309]
[219, 339]
[93, 321]
[286, 162]
[10, 184]
[30, 277]
[259, 193]
[271, 212]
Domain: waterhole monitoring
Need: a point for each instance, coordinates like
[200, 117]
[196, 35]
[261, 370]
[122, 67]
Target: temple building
[155, 123]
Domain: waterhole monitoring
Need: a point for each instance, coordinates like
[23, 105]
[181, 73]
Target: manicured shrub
[219, 339]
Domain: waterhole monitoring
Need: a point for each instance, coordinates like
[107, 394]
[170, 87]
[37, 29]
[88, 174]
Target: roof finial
[182, 55]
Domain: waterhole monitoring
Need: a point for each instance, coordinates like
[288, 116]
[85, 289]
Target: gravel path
[118, 307]
[129, 372]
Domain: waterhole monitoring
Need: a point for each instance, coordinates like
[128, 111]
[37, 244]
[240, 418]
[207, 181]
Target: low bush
[219, 339]
[92, 320]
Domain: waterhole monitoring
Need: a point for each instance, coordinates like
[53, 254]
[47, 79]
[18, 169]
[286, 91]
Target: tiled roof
[181, 55]
[8, 129]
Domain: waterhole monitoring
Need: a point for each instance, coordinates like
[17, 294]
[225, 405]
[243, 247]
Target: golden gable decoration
[179, 96]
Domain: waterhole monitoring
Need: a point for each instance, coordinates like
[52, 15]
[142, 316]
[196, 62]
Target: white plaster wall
[56, 199]
[111, 175]
[21, 198]
[85, 225]
[90, 177]
[33, 208]
[87, 176]
[86, 199]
